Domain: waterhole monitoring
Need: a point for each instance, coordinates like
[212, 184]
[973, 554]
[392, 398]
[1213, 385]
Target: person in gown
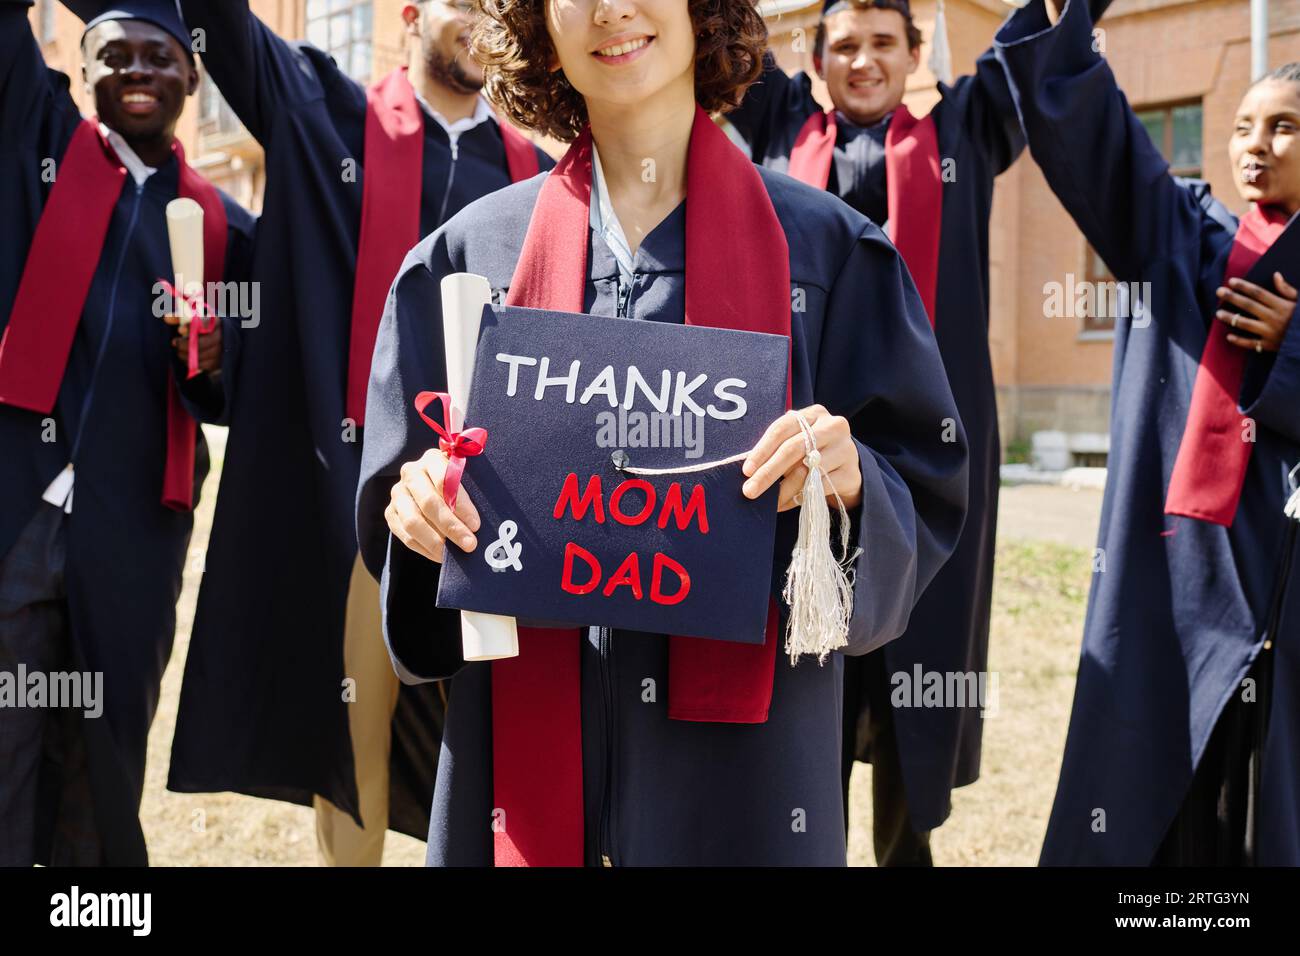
[739, 761]
[1183, 741]
[102, 459]
[928, 183]
[287, 692]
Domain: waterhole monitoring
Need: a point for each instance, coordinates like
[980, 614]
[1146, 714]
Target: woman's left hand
[779, 455]
[1267, 314]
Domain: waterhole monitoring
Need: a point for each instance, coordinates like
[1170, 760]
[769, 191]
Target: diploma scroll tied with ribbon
[484, 637]
[187, 291]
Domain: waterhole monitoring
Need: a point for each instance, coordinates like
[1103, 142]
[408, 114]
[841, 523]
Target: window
[342, 28]
[1176, 132]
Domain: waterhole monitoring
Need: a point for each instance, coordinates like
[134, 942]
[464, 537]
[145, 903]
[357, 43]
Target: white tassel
[818, 585]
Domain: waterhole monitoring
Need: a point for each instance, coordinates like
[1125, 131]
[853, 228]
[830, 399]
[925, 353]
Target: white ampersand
[501, 553]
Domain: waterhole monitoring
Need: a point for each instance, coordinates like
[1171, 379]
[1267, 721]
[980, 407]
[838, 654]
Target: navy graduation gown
[1174, 621]
[681, 792]
[979, 137]
[125, 550]
[261, 710]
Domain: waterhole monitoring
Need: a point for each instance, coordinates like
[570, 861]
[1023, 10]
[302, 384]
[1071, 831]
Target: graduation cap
[571, 532]
[164, 14]
[834, 6]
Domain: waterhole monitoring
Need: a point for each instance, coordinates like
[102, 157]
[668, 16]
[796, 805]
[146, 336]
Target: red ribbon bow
[457, 445]
[202, 323]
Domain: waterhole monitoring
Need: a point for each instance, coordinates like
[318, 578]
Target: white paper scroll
[185, 233]
[484, 637]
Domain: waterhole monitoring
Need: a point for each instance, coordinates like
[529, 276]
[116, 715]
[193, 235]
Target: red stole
[56, 280]
[731, 230]
[390, 212]
[912, 173]
[1213, 456]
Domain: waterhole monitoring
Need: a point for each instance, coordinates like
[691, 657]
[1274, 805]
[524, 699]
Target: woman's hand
[1271, 312]
[209, 346]
[779, 456]
[418, 515]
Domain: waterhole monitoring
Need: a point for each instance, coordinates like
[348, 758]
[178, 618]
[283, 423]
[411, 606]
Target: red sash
[1213, 455]
[912, 173]
[390, 212]
[56, 279]
[731, 230]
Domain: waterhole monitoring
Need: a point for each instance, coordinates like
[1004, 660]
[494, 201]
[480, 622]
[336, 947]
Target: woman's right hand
[418, 515]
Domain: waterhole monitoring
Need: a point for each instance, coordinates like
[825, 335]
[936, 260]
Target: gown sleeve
[261, 75]
[774, 100]
[423, 640]
[880, 368]
[1096, 155]
[30, 92]
[987, 112]
[1270, 393]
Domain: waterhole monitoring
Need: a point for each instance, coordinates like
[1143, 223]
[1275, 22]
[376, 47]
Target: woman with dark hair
[1182, 746]
[653, 214]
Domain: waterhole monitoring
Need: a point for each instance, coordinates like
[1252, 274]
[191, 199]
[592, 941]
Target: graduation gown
[262, 709]
[1177, 612]
[659, 791]
[125, 550]
[939, 747]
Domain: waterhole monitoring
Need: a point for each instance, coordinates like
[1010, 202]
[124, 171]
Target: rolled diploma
[484, 637]
[185, 234]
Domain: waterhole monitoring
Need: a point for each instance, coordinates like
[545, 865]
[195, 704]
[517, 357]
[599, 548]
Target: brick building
[1183, 64]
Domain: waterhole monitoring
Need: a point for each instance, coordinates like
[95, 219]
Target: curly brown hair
[511, 42]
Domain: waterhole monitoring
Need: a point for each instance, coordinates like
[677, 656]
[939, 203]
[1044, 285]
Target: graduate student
[288, 692]
[1182, 746]
[102, 460]
[699, 778]
[929, 183]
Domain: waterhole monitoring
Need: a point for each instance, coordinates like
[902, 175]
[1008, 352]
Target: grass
[1039, 597]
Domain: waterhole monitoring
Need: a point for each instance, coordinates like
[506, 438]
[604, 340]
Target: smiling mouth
[865, 84]
[1251, 172]
[622, 50]
[138, 102]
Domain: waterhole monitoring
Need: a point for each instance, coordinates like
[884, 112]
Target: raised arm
[1096, 155]
[29, 90]
[260, 74]
[988, 113]
[880, 368]
[775, 98]
[423, 640]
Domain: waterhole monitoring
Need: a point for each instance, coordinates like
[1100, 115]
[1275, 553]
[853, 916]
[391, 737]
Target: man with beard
[288, 692]
[101, 458]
